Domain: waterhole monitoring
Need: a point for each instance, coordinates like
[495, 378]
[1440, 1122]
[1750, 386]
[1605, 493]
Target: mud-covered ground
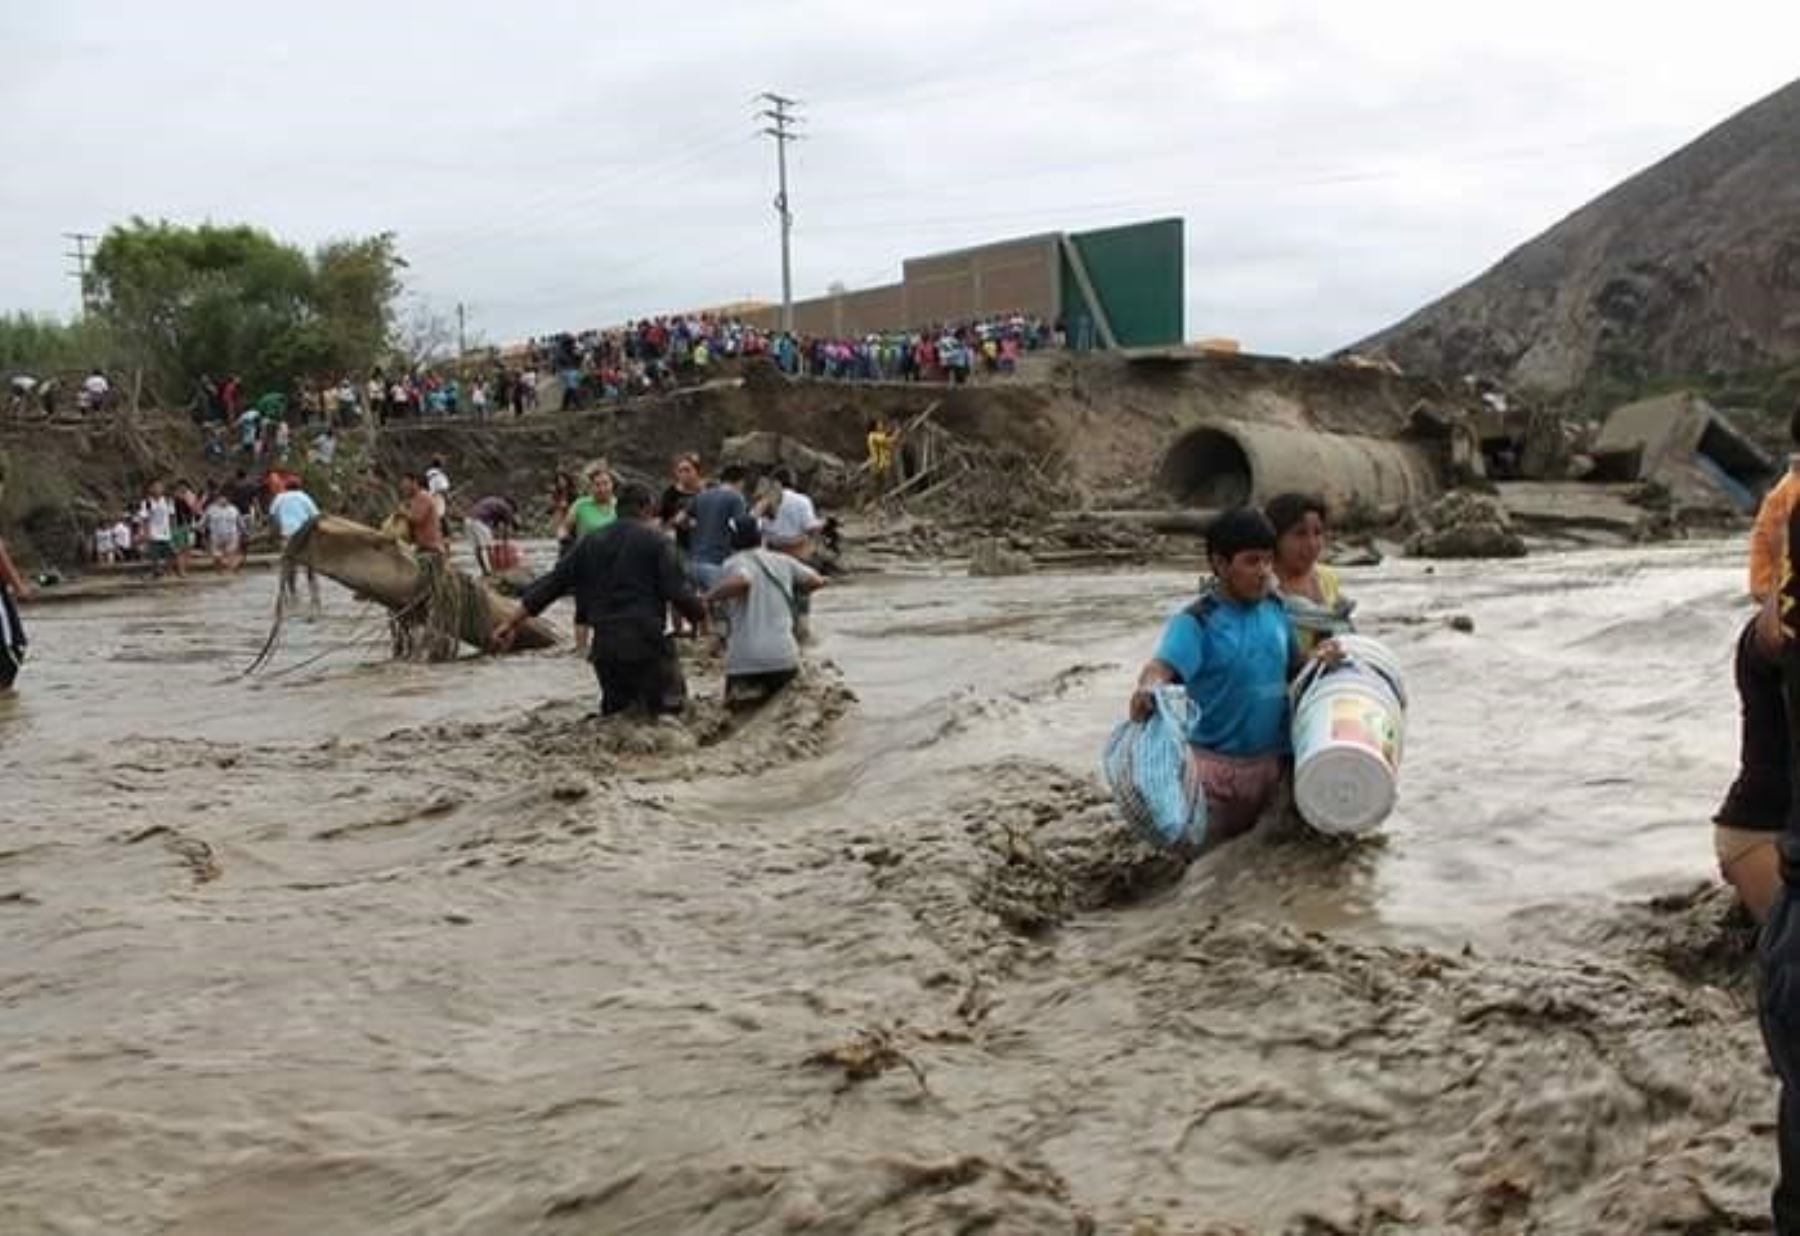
[353, 946]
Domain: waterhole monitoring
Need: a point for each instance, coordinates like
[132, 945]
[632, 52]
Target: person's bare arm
[726, 589]
[1770, 633]
[1154, 674]
[9, 574]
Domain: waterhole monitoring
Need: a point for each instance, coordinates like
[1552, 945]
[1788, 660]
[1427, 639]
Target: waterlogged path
[364, 947]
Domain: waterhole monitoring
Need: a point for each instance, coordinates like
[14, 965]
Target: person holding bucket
[1308, 589]
[1234, 651]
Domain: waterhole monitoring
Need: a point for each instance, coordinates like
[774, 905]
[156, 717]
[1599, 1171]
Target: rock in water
[1465, 525]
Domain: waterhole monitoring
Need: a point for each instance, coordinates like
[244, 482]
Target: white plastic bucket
[1348, 730]
[1377, 656]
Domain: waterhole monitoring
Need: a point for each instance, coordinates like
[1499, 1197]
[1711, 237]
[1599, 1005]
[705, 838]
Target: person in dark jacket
[626, 577]
[1779, 943]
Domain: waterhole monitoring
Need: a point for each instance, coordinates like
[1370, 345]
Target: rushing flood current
[356, 946]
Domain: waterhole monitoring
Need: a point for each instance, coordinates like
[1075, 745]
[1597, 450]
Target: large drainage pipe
[1228, 463]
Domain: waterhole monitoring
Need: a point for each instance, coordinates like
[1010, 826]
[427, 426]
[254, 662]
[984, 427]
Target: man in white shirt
[325, 447]
[123, 549]
[94, 389]
[225, 533]
[788, 524]
[437, 484]
[789, 521]
[291, 510]
[158, 515]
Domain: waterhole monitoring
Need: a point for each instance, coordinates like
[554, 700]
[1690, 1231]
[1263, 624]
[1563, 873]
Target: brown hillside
[1690, 267]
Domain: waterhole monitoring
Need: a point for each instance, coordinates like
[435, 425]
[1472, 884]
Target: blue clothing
[1234, 664]
[714, 509]
[292, 510]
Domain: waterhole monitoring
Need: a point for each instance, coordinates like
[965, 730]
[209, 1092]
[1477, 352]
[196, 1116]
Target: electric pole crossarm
[80, 258]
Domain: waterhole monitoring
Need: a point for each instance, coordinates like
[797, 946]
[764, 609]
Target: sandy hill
[1690, 267]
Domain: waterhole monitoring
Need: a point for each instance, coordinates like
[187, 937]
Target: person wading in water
[626, 578]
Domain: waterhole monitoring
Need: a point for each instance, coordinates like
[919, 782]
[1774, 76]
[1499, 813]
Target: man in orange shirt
[1755, 810]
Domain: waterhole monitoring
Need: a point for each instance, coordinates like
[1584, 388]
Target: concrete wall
[1013, 276]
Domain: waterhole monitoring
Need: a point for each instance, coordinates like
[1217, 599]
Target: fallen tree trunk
[374, 566]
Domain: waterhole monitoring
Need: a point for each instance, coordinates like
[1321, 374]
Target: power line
[614, 182]
[781, 121]
[80, 257]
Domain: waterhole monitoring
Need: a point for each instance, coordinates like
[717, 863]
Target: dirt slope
[1691, 266]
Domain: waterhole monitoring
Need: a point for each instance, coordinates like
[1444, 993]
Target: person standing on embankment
[1749, 822]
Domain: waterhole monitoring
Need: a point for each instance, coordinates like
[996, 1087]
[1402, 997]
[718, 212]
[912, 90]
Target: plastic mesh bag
[1153, 776]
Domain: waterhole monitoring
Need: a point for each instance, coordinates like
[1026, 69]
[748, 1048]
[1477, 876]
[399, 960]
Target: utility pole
[781, 120]
[462, 336]
[80, 256]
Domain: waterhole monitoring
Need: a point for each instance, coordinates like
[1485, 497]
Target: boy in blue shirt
[1235, 651]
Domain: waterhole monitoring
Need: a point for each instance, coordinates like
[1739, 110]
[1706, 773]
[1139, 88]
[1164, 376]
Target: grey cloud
[574, 164]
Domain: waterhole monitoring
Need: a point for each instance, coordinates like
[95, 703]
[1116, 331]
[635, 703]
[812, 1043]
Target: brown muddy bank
[358, 946]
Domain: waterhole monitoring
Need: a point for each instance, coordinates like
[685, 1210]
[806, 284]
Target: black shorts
[654, 686]
[1758, 800]
[12, 641]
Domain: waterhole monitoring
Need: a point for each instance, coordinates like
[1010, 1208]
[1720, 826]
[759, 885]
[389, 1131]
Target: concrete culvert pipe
[1228, 463]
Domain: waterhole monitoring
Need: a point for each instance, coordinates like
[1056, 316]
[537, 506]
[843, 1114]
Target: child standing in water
[1307, 587]
[1235, 651]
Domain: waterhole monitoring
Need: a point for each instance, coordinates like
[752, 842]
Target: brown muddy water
[353, 946]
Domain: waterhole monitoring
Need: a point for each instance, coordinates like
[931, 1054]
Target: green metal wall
[1137, 276]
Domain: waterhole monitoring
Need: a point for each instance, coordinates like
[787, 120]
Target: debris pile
[958, 480]
[995, 556]
[1462, 524]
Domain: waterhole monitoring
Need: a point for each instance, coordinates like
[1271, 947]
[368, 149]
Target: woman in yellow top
[1309, 589]
[882, 439]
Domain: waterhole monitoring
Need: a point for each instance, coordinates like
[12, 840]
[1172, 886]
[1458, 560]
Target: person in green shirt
[591, 512]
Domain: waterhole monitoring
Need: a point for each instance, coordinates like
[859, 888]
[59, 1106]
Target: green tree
[355, 286]
[187, 301]
[44, 346]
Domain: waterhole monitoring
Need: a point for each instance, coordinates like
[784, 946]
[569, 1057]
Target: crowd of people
[647, 357]
[644, 570]
[173, 524]
[658, 354]
[27, 393]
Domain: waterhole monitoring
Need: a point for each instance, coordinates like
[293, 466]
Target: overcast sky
[566, 164]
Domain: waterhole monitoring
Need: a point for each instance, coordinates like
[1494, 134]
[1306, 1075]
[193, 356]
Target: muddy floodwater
[353, 946]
